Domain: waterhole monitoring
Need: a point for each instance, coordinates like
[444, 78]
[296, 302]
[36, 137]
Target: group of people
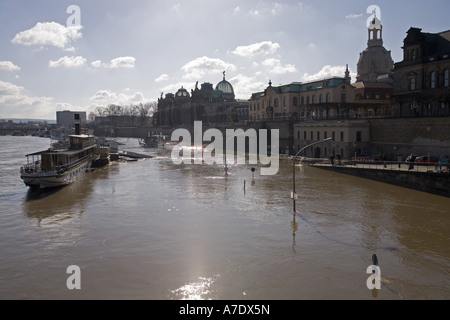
[338, 159]
[443, 161]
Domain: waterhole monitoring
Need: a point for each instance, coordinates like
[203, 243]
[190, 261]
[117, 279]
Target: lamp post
[294, 195]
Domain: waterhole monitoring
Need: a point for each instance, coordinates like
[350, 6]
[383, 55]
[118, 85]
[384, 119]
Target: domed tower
[182, 93]
[226, 88]
[375, 61]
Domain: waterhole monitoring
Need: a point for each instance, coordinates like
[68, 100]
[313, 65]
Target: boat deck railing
[36, 167]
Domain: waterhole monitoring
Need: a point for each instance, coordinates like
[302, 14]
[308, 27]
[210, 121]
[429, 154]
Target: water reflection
[199, 290]
[57, 204]
[36, 193]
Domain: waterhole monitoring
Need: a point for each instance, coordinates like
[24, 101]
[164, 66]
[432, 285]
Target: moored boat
[59, 165]
[155, 141]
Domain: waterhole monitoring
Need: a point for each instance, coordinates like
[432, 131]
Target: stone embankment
[421, 177]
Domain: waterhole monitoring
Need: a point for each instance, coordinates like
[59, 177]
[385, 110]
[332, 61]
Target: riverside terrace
[423, 177]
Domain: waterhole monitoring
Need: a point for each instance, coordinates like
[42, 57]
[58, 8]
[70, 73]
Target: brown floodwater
[151, 229]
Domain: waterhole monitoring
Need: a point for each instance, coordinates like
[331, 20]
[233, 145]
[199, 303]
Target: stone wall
[431, 182]
[424, 135]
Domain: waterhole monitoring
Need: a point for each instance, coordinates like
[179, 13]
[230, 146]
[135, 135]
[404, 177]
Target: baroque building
[334, 107]
[209, 104]
[335, 98]
[323, 99]
[422, 78]
[375, 63]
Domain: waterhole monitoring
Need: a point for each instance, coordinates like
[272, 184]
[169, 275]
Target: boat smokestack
[77, 124]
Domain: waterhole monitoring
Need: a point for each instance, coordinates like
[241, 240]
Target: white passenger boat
[60, 164]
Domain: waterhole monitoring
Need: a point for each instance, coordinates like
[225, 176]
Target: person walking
[411, 159]
[400, 159]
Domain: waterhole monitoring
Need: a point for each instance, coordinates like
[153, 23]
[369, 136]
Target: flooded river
[151, 229]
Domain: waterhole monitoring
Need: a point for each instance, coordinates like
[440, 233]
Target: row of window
[411, 54]
[325, 151]
[434, 80]
[325, 135]
[313, 100]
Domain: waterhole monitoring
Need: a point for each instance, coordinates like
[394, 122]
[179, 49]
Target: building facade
[421, 85]
[207, 104]
[67, 118]
[334, 107]
[349, 138]
[335, 98]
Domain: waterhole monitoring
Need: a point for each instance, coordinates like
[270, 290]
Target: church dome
[375, 60]
[226, 88]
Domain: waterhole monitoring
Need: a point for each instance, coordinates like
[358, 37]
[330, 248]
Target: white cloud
[273, 8]
[68, 62]
[276, 8]
[122, 62]
[260, 48]
[96, 64]
[49, 34]
[8, 66]
[276, 67]
[9, 89]
[244, 86]
[173, 87]
[104, 98]
[353, 16]
[15, 103]
[199, 67]
[162, 77]
[236, 10]
[327, 72]
[116, 63]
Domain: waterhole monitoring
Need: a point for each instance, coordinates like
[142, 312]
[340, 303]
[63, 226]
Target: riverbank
[422, 178]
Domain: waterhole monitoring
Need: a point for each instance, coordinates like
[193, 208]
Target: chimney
[77, 123]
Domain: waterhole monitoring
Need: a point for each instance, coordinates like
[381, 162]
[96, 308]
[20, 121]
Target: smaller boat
[61, 163]
[155, 141]
[102, 156]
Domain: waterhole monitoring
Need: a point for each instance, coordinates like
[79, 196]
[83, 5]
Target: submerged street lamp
[294, 195]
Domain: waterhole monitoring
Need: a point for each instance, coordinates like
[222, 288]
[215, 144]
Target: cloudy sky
[78, 55]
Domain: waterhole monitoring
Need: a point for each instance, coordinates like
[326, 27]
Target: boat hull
[54, 179]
